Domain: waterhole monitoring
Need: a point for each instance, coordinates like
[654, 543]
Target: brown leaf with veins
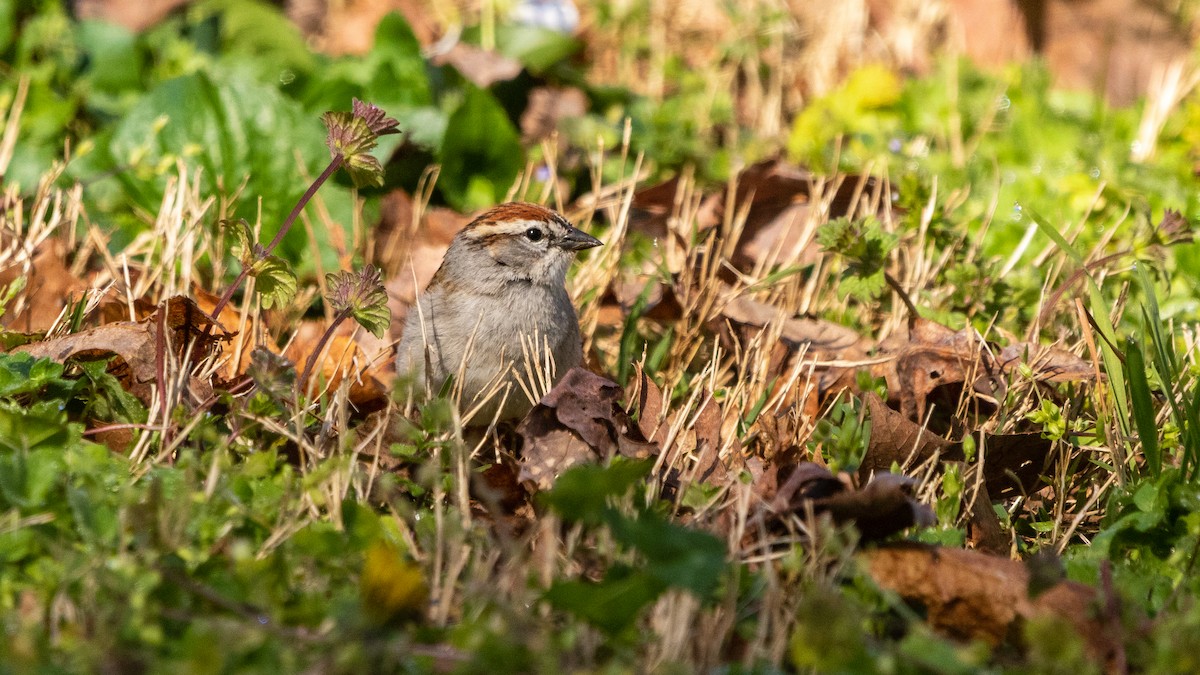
[577, 422]
[934, 365]
[816, 341]
[234, 354]
[895, 439]
[695, 452]
[1049, 364]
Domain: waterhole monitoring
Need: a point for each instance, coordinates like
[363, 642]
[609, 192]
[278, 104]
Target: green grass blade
[1143, 405]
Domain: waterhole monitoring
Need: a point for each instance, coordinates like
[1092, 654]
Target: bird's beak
[577, 240]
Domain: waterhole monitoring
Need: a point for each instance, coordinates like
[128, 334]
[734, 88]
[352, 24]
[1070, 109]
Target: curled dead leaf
[578, 421]
[884, 506]
[1013, 464]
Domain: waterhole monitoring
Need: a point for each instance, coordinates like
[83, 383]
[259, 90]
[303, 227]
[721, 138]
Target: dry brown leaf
[1012, 463]
[549, 448]
[411, 252]
[659, 300]
[696, 448]
[780, 195]
[974, 596]
[823, 339]
[133, 343]
[895, 439]
[49, 285]
[136, 15]
[349, 27]
[934, 366]
[650, 408]
[583, 402]
[234, 354]
[934, 356]
[579, 421]
[883, 507]
[482, 67]
[136, 343]
[546, 110]
[652, 208]
[1049, 364]
[346, 355]
[815, 339]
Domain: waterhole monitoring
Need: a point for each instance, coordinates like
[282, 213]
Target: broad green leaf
[32, 442]
[258, 34]
[235, 131]
[114, 61]
[374, 317]
[274, 281]
[678, 556]
[612, 604]
[481, 153]
[538, 49]
[107, 400]
[393, 75]
[20, 373]
[584, 493]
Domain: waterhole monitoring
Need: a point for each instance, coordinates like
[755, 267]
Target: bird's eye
[533, 234]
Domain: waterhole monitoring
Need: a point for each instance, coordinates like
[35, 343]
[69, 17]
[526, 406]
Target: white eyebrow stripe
[504, 226]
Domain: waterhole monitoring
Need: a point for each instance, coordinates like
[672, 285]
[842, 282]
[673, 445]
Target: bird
[496, 320]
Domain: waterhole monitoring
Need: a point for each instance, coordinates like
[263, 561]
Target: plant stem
[302, 381]
[334, 165]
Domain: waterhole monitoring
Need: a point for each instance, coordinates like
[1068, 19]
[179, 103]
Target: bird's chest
[531, 318]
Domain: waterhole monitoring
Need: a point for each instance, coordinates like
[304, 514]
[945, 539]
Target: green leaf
[393, 75]
[20, 373]
[274, 281]
[481, 153]
[363, 296]
[676, 555]
[583, 493]
[611, 605]
[236, 132]
[32, 441]
[259, 35]
[244, 244]
[375, 317]
[538, 49]
[107, 400]
[1144, 410]
[114, 63]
